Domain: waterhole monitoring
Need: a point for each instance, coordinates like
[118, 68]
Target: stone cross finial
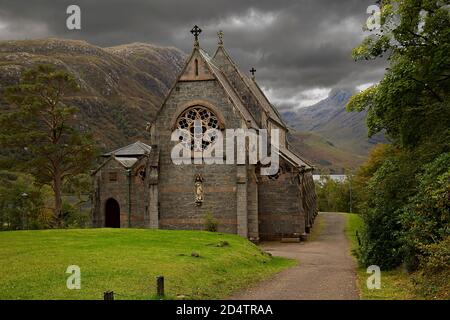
[220, 35]
[252, 71]
[196, 32]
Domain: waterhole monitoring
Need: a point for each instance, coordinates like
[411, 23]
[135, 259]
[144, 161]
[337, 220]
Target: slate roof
[271, 111]
[293, 158]
[135, 149]
[254, 89]
[220, 76]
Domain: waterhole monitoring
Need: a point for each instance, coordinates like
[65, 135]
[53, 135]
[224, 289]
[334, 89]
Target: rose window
[198, 122]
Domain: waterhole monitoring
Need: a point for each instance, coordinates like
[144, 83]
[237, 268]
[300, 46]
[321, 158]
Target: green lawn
[395, 284]
[126, 261]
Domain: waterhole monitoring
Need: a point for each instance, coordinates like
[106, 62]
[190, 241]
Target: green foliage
[384, 188]
[433, 279]
[387, 190]
[332, 195]
[22, 203]
[404, 205]
[364, 174]
[395, 284]
[40, 125]
[75, 212]
[79, 185]
[210, 222]
[426, 218]
[74, 215]
[436, 256]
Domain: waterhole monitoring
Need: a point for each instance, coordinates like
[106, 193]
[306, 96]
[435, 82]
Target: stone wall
[252, 205]
[281, 212]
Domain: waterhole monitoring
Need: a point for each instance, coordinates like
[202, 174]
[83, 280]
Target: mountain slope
[121, 87]
[322, 153]
[329, 119]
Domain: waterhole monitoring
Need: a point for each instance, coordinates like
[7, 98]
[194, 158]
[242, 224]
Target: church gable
[201, 78]
[196, 68]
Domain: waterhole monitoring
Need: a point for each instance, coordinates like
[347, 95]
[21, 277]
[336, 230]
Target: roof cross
[196, 31]
[252, 71]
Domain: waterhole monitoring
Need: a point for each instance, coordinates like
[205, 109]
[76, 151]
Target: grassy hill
[121, 87]
[322, 153]
[126, 261]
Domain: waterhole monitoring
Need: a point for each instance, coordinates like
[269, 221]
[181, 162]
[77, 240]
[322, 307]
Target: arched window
[196, 67]
[207, 119]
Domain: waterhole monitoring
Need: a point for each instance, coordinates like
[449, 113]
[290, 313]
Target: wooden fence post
[160, 286]
[108, 295]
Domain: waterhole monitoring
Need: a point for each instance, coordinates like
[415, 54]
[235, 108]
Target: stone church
[140, 186]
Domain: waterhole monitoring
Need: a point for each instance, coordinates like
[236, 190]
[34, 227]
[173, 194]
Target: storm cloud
[300, 48]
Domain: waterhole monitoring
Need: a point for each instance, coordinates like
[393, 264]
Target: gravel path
[325, 271]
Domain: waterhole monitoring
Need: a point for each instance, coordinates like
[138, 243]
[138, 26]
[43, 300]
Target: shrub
[426, 219]
[433, 279]
[387, 191]
[74, 216]
[210, 222]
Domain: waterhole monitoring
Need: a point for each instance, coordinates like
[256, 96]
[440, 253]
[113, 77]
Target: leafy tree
[332, 195]
[41, 123]
[412, 100]
[412, 104]
[75, 212]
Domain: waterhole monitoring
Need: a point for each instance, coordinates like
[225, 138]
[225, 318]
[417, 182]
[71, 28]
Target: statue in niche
[198, 183]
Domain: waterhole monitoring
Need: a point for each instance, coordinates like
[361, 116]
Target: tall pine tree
[40, 124]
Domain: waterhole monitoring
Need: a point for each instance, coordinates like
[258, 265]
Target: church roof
[135, 149]
[273, 112]
[220, 76]
[253, 88]
[293, 158]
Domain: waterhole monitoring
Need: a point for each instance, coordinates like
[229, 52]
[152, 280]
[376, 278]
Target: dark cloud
[301, 48]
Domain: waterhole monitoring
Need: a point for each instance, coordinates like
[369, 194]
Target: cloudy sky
[300, 48]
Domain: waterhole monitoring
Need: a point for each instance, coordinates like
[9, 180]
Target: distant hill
[328, 118]
[122, 87]
[342, 134]
[321, 152]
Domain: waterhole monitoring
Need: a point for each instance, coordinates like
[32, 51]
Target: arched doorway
[112, 214]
